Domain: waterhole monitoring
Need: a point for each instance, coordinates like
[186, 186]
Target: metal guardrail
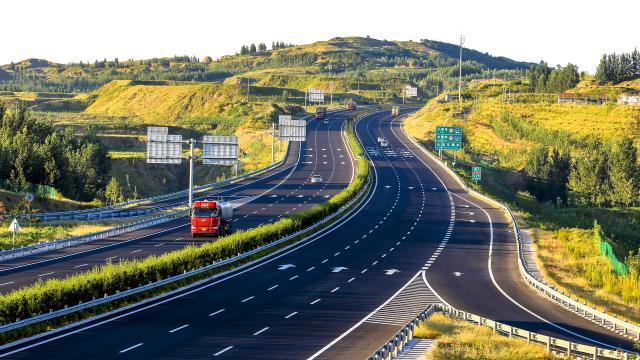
[121, 294]
[76, 240]
[610, 322]
[392, 348]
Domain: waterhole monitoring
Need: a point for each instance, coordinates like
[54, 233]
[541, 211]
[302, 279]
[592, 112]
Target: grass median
[56, 294]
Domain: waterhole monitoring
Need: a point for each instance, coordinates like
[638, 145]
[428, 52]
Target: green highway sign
[448, 137]
[476, 173]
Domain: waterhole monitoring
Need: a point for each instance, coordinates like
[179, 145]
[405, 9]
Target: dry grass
[458, 339]
[570, 260]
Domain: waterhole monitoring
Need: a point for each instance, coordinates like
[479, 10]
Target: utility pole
[191, 142]
[460, 73]
[331, 93]
[248, 83]
[273, 143]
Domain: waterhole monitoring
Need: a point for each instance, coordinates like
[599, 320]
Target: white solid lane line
[261, 331]
[247, 299]
[7, 283]
[223, 350]
[79, 266]
[179, 328]
[217, 312]
[130, 348]
[290, 315]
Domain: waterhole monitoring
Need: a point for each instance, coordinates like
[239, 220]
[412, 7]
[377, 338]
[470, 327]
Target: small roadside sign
[29, 197]
[476, 174]
[14, 228]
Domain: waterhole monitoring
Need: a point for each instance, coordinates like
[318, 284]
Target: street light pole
[273, 143]
[191, 161]
[460, 73]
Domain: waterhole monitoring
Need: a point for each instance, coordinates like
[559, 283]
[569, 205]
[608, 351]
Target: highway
[418, 239]
[263, 199]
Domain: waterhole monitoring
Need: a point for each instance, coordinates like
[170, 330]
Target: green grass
[457, 339]
[35, 233]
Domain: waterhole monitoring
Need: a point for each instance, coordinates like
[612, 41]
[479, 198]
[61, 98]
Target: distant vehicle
[380, 139]
[210, 217]
[316, 179]
[384, 143]
[351, 105]
[321, 113]
[325, 121]
[395, 111]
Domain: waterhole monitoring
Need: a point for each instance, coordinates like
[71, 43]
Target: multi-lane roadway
[261, 200]
[417, 239]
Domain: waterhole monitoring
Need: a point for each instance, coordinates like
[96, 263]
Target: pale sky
[557, 31]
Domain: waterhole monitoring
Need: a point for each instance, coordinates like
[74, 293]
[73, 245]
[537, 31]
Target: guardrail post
[549, 344]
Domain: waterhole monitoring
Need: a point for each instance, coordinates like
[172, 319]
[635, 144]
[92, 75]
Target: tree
[262, 47]
[252, 49]
[113, 191]
[623, 173]
[244, 50]
[207, 60]
[547, 172]
[588, 177]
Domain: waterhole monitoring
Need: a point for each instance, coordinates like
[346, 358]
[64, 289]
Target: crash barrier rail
[37, 318]
[76, 240]
[392, 348]
[114, 211]
[611, 322]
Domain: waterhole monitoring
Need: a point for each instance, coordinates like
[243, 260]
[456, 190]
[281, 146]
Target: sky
[556, 31]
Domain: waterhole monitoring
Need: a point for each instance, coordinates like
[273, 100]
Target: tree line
[616, 68]
[594, 175]
[542, 78]
[32, 151]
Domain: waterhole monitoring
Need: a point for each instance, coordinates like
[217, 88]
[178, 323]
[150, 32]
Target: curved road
[343, 292]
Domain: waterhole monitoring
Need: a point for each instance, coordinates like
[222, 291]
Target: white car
[380, 139]
[316, 178]
[326, 121]
[384, 143]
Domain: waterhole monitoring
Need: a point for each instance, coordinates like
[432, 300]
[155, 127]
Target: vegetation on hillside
[617, 68]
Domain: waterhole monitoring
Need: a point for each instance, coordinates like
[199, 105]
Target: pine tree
[252, 49]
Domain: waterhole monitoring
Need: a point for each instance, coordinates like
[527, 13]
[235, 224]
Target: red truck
[210, 217]
[351, 105]
[321, 113]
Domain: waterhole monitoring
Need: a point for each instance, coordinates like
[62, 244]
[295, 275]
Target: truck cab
[395, 111]
[321, 113]
[351, 105]
[209, 217]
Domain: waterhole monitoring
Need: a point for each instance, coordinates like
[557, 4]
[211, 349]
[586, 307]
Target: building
[564, 98]
[629, 100]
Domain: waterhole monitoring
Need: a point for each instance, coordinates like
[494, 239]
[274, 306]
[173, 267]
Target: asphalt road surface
[343, 292]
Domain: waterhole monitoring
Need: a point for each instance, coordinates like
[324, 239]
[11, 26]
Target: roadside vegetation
[562, 166]
[33, 233]
[458, 339]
